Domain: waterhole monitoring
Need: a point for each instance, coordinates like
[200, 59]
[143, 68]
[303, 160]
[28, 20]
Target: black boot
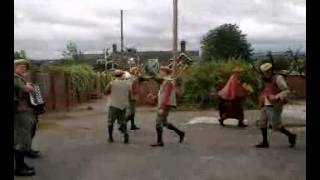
[221, 122]
[33, 154]
[241, 124]
[126, 138]
[121, 129]
[133, 126]
[125, 133]
[292, 137]
[22, 169]
[159, 138]
[180, 133]
[264, 143]
[110, 132]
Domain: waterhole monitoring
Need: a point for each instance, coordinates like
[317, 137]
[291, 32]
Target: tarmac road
[75, 147]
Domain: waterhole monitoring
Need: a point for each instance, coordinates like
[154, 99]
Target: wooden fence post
[52, 91]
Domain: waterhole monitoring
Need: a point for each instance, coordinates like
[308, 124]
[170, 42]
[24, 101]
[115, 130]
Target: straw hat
[22, 62]
[265, 67]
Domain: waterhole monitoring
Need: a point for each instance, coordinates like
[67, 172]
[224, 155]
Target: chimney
[114, 48]
[183, 46]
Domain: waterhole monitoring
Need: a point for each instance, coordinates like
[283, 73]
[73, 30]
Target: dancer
[166, 101]
[273, 96]
[232, 96]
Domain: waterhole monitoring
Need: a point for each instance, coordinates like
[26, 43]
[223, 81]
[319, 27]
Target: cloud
[43, 28]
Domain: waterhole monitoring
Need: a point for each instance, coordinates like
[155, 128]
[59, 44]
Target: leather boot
[179, 132]
[22, 169]
[221, 122]
[125, 133]
[33, 154]
[110, 132]
[264, 143]
[133, 125]
[241, 124]
[159, 138]
[292, 137]
[126, 138]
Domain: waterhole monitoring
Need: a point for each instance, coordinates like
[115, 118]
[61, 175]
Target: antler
[181, 64]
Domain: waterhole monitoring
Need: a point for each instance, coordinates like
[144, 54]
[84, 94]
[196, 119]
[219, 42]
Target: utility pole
[175, 31]
[105, 59]
[121, 12]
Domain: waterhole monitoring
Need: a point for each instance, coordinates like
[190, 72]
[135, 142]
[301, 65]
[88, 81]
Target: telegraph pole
[175, 31]
[121, 12]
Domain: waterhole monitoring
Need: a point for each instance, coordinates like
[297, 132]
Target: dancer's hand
[161, 111]
[28, 88]
[272, 98]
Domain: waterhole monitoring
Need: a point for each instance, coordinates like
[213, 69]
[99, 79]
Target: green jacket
[23, 116]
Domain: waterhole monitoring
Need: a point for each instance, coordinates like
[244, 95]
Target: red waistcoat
[269, 88]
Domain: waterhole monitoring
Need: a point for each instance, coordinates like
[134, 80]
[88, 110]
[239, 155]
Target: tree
[225, 41]
[20, 54]
[72, 52]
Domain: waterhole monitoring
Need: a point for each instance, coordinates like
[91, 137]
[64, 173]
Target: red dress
[231, 98]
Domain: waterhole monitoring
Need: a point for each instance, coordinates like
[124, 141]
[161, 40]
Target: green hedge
[82, 75]
[105, 78]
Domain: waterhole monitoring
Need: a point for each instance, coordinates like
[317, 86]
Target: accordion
[152, 67]
[36, 100]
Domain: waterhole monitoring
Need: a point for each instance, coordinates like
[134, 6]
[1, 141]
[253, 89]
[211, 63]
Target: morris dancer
[231, 98]
[273, 96]
[166, 101]
[119, 91]
[134, 83]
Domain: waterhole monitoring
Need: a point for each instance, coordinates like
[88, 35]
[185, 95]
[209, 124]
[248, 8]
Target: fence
[297, 85]
[58, 92]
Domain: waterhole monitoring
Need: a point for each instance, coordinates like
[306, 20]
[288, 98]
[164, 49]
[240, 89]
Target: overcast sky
[43, 27]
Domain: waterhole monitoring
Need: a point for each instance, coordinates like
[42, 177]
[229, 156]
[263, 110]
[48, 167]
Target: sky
[43, 28]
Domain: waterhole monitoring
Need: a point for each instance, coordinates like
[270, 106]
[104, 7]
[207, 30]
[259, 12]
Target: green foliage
[224, 42]
[202, 81]
[82, 76]
[20, 54]
[105, 78]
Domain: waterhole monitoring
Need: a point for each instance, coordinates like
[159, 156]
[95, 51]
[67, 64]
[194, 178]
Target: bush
[202, 82]
[105, 78]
